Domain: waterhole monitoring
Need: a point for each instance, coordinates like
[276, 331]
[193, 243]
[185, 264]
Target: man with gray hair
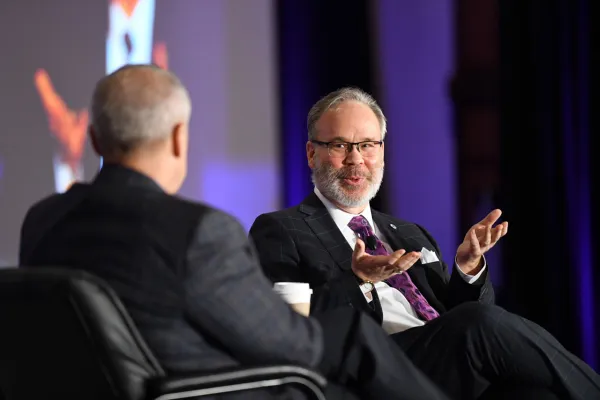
[186, 272]
[446, 324]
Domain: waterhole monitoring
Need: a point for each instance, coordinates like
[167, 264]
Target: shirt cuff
[470, 278]
[365, 293]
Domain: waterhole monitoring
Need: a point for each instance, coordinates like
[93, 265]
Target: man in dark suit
[446, 324]
[187, 272]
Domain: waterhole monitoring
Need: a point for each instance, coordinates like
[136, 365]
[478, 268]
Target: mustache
[354, 172]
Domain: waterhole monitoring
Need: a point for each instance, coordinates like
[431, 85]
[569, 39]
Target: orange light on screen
[68, 126]
[128, 6]
[160, 55]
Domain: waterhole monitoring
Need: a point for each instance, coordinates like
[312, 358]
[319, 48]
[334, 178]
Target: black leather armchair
[64, 334]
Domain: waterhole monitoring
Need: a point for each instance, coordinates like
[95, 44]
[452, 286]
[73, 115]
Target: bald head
[135, 106]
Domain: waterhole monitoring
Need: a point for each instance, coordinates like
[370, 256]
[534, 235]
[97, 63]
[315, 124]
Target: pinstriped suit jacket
[303, 244]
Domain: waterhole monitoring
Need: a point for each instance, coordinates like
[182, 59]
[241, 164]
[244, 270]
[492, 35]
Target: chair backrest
[65, 334]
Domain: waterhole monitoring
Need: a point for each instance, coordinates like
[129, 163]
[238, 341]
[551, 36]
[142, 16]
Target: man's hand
[378, 268]
[478, 240]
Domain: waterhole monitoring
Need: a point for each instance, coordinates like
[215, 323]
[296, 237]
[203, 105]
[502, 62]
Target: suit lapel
[392, 234]
[396, 238]
[325, 229]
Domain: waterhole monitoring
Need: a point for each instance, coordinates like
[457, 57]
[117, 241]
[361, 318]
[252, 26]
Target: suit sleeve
[456, 290]
[229, 298]
[281, 262]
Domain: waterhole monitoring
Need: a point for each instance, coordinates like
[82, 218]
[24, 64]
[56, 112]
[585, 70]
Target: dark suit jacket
[303, 244]
[186, 272]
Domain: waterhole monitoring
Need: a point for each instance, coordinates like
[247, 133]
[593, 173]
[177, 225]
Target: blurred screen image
[129, 22]
[55, 52]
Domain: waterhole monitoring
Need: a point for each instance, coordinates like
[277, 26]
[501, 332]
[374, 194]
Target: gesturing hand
[479, 239]
[378, 268]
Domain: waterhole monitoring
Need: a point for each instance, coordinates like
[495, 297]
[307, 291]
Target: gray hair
[333, 99]
[137, 104]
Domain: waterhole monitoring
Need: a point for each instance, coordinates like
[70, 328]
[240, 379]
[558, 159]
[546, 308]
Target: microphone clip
[371, 242]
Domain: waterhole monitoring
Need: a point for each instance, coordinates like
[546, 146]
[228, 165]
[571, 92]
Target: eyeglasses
[342, 149]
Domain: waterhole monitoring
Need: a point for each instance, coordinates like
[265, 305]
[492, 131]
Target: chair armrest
[235, 380]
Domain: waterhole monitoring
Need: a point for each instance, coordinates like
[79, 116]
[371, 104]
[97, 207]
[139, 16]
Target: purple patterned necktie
[402, 282]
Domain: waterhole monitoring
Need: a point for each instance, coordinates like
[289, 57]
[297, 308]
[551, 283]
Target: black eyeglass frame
[350, 145]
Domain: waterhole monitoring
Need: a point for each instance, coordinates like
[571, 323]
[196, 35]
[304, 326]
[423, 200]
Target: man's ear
[178, 140]
[310, 154]
[94, 140]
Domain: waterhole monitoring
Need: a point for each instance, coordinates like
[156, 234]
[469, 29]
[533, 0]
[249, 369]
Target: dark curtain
[323, 46]
[548, 192]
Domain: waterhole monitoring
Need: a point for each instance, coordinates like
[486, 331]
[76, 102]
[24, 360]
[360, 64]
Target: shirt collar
[341, 217]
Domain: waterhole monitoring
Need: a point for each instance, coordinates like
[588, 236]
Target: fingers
[385, 262]
[501, 230]
[485, 233]
[491, 218]
[497, 233]
[378, 268]
[395, 257]
[474, 241]
[359, 249]
[488, 237]
[406, 262]
[365, 262]
[374, 268]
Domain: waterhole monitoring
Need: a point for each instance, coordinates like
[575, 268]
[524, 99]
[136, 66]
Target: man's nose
[354, 156]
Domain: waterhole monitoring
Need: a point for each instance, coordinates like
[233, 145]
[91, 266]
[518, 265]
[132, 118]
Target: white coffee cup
[296, 294]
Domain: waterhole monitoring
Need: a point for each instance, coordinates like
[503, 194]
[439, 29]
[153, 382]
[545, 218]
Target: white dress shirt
[398, 314]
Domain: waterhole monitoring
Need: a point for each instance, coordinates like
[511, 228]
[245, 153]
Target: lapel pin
[393, 226]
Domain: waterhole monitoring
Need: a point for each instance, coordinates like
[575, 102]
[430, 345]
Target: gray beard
[327, 180]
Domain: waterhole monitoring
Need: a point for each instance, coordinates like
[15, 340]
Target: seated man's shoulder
[49, 205]
[46, 203]
[207, 217]
[186, 205]
[287, 217]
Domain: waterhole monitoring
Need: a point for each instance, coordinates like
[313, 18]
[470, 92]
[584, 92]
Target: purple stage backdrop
[223, 50]
[415, 57]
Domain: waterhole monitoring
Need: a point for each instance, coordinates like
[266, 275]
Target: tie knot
[361, 226]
